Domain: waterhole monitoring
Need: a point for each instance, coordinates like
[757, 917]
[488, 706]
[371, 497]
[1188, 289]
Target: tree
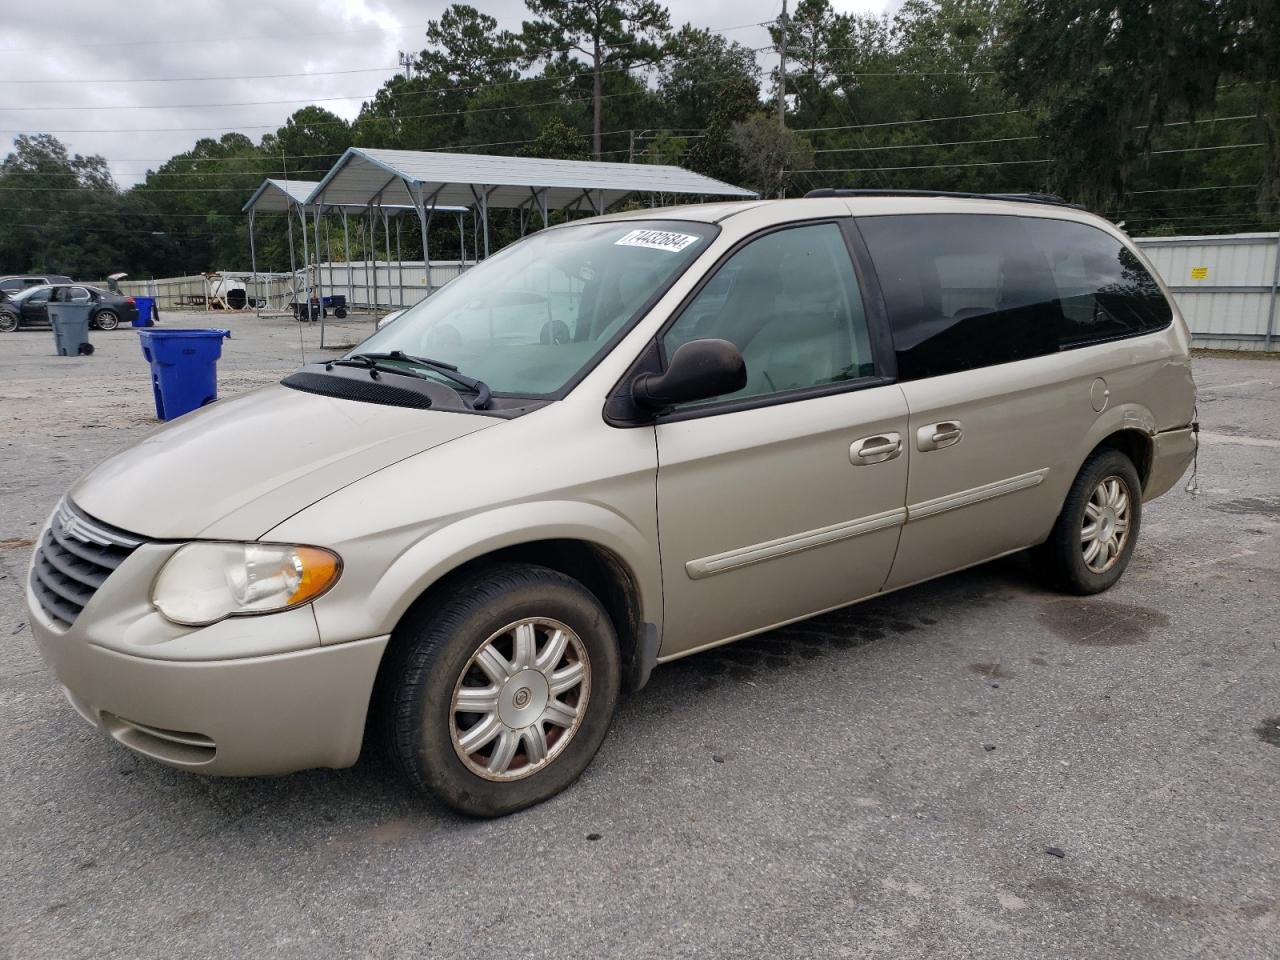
[697, 63]
[769, 154]
[59, 209]
[557, 141]
[717, 154]
[1104, 79]
[313, 135]
[611, 33]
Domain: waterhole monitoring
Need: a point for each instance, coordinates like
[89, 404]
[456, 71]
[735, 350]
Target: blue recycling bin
[184, 368]
[146, 311]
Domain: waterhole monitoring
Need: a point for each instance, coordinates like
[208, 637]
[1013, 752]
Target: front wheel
[1095, 534]
[107, 320]
[499, 696]
[8, 321]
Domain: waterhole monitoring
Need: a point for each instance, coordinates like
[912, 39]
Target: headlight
[206, 582]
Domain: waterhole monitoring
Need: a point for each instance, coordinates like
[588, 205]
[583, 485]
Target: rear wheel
[107, 320]
[8, 321]
[499, 696]
[1095, 534]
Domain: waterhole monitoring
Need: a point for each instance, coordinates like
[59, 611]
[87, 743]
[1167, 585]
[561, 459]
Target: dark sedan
[30, 307]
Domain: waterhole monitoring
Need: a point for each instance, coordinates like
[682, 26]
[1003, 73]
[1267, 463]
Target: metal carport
[425, 181]
[285, 196]
[280, 196]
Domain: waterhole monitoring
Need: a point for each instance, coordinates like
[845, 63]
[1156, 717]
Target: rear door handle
[937, 436]
[877, 449]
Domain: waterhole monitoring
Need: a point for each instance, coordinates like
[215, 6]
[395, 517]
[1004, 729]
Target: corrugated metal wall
[1225, 286]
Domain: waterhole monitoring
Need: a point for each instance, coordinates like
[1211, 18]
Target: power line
[1225, 186]
[204, 41]
[427, 91]
[324, 73]
[926, 166]
[913, 146]
[559, 101]
[900, 123]
[258, 76]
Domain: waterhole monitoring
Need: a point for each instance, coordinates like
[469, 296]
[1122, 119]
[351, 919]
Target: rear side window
[966, 291]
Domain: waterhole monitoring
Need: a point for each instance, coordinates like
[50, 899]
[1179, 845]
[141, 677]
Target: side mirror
[699, 370]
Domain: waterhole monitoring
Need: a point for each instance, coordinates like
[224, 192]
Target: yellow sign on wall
[1199, 273]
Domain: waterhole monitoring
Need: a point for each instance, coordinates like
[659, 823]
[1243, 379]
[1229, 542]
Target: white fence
[1225, 286]
[388, 285]
[368, 287]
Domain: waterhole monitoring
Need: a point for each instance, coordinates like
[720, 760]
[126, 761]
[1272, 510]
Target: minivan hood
[237, 468]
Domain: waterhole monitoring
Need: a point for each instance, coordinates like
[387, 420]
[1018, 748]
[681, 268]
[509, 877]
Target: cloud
[133, 87]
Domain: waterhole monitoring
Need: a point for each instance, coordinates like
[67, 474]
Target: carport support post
[386, 237]
[1275, 290]
[399, 265]
[253, 255]
[306, 264]
[319, 286]
[346, 252]
[293, 263]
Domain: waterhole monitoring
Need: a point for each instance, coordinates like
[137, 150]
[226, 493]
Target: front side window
[532, 318]
[789, 301]
[973, 290]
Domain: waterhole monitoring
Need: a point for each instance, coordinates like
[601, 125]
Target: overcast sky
[341, 51]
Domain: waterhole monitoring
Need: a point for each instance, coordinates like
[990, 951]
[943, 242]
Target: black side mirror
[699, 370]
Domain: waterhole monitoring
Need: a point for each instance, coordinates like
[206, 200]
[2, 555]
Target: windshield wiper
[372, 360]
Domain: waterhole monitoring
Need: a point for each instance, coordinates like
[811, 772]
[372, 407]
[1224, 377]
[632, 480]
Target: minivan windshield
[532, 318]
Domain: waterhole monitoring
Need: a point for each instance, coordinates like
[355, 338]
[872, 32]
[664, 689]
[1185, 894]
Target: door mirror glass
[699, 370]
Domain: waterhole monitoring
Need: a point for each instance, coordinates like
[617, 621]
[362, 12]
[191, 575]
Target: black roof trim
[1047, 198]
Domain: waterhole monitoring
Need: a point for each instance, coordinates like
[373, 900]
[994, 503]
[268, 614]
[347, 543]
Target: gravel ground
[887, 781]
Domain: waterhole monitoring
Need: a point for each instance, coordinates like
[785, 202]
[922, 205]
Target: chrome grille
[74, 558]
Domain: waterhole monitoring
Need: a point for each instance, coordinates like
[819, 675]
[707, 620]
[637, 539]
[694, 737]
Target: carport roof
[395, 176]
[277, 196]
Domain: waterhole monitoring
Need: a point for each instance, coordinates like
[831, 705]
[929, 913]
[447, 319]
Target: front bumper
[243, 716]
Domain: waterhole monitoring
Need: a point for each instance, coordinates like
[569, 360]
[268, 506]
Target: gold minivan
[617, 442]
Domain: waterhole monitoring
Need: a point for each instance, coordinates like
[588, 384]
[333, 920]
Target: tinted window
[790, 302]
[966, 291]
[1105, 290]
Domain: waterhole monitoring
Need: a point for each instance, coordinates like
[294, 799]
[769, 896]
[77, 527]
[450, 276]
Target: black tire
[1060, 560]
[433, 647]
[340, 313]
[106, 320]
[8, 321]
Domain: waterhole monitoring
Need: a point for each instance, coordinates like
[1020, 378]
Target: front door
[786, 498]
[35, 308]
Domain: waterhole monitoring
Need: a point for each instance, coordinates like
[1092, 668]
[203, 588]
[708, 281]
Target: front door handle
[877, 449]
[937, 436]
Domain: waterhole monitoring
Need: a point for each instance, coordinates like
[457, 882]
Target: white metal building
[1225, 286]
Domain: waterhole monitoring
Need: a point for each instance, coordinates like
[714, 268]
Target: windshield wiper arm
[483, 394]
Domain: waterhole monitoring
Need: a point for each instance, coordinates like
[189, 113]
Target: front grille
[74, 558]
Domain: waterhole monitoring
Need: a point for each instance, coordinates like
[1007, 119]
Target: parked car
[30, 307]
[621, 441]
[12, 284]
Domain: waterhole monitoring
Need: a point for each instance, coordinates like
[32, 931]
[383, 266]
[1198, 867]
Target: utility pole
[782, 69]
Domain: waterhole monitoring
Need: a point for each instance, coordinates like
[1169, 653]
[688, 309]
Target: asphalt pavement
[973, 767]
